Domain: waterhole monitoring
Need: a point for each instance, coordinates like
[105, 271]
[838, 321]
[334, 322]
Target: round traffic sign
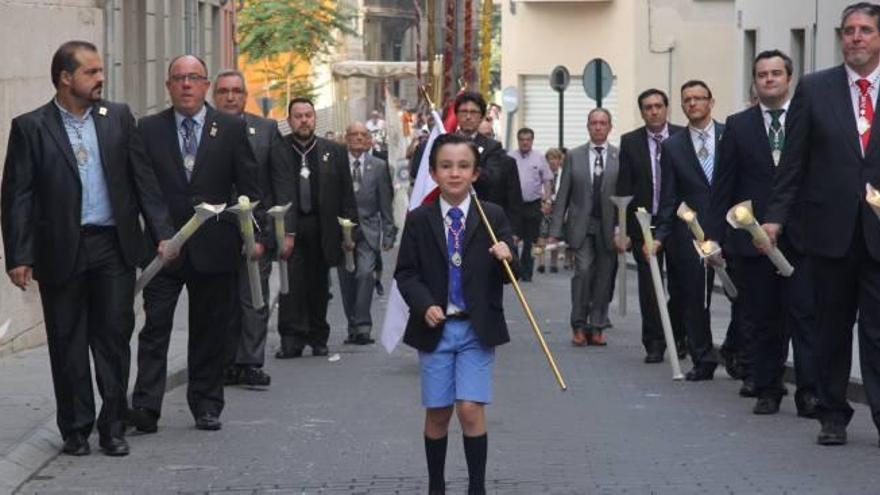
[510, 99]
[597, 79]
[559, 78]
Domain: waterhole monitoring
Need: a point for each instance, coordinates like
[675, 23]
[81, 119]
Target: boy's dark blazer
[422, 274]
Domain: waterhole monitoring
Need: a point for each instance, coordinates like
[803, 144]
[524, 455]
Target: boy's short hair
[554, 153]
[450, 139]
[472, 97]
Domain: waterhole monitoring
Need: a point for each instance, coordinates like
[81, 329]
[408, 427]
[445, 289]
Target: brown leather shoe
[597, 338]
[578, 339]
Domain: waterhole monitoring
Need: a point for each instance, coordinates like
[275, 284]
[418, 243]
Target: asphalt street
[353, 426]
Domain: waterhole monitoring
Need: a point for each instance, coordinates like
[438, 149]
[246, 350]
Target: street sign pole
[561, 119]
[559, 79]
[510, 101]
[599, 85]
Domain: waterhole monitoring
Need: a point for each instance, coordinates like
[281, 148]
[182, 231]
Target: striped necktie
[707, 160]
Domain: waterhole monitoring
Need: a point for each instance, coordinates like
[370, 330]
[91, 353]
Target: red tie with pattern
[866, 112]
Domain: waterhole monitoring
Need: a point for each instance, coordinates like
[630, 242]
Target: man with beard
[321, 192]
[831, 151]
[199, 155]
[76, 178]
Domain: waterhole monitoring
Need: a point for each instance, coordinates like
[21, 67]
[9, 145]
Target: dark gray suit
[376, 231]
[250, 325]
[591, 240]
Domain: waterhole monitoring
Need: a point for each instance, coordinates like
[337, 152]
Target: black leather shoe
[541, 269]
[700, 373]
[114, 446]
[732, 366]
[747, 389]
[144, 420]
[832, 434]
[290, 353]
[76, 444]
[208, 422]
[654, 357]
[767, 405]
[320, 350]
[254, 377]
[364, 339]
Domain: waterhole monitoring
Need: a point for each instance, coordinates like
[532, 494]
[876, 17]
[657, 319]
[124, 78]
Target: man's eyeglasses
[194, 78]
[695, 99]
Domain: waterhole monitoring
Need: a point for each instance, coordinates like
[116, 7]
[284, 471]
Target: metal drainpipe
[668, 51]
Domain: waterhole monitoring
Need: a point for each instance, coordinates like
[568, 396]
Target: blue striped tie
[707, 161]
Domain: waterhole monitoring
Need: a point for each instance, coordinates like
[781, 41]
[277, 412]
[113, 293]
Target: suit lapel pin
[213, 131]
[102, 111]
[480, 149]
[252, 131]
[326, 157]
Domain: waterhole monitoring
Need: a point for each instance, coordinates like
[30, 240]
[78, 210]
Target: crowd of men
[80, 175]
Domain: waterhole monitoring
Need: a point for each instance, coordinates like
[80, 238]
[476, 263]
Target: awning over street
[374, 69]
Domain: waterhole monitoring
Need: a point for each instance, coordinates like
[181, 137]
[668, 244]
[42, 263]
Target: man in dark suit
[832, 149]
[75, 180]
[640, 177]
[250, 325]
[777, 307]
[687, 165]
[199, 155]
[321, 192]
[499, 177]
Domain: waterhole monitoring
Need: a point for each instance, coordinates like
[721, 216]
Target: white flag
[397, 312]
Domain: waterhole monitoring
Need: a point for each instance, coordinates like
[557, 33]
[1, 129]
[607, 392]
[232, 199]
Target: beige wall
[541, 35]
[28, 38]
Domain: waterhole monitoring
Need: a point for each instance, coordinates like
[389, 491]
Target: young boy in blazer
[451, 276]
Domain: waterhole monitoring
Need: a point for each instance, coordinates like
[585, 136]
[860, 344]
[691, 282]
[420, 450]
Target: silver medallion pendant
[703, 154]
[304, 172]
[189, 162]
[356, 187]
[456, 259]
[776, 156]
[82, 155]
[863, 125]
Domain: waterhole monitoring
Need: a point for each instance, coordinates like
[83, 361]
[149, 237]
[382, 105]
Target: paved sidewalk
[29, 436]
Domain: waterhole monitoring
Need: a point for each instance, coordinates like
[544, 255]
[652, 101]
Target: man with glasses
[199, 155]
[687, 164]
[249, 326]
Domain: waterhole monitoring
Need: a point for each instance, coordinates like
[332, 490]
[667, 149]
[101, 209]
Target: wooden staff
[522, 298]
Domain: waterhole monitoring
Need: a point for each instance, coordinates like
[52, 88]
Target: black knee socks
[475, 451]
[435, 452]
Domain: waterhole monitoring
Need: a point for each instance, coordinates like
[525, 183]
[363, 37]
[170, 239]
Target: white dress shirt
[765, 112]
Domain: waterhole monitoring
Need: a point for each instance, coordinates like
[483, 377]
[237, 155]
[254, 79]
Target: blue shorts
[460, 368]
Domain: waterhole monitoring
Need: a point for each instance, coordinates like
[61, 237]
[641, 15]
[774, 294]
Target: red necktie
[866, 112]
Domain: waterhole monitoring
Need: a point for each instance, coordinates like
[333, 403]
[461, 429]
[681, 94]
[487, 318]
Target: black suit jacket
[224, 166]
[636, 176]
[498, 181]
[745, 172]
[42, 193]
[422, 274]
[335, 195]
[683, 180]
[822, 165]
